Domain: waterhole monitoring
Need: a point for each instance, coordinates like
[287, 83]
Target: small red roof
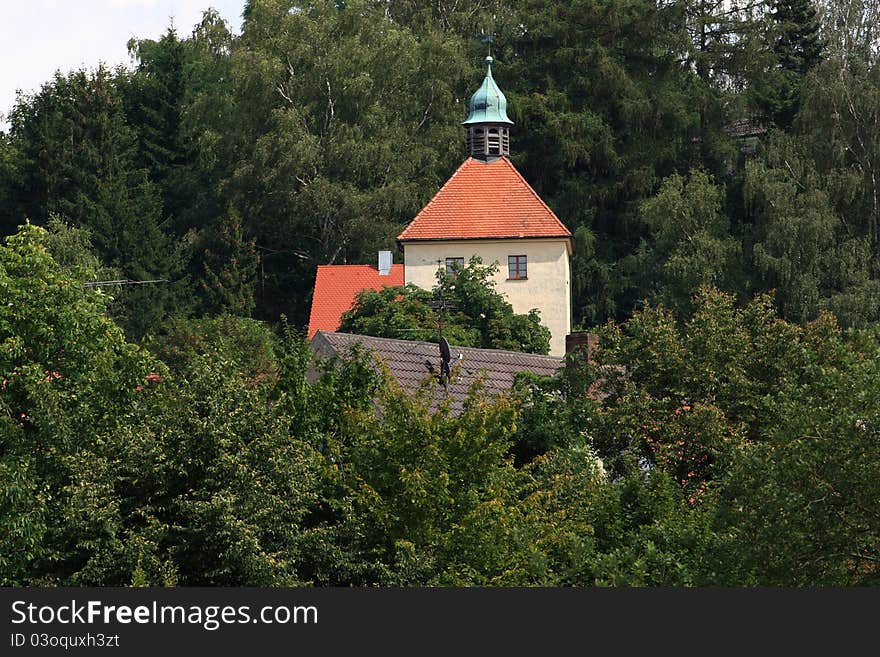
[484, 200]
[336, 287]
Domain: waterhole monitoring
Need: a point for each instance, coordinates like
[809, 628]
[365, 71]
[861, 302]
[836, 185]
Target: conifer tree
[152, 99]
[78, 161]
[797, 48]
[229, 269]
[8, 177]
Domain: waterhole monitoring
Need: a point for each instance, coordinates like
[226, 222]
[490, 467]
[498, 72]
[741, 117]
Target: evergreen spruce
[797, 48]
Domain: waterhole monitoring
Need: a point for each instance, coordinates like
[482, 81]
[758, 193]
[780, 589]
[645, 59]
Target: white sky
[38, 37]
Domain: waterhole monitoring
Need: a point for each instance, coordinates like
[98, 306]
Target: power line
[123, 281]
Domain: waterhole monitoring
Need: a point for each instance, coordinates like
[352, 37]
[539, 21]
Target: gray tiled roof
[745, 128]
[412, 362]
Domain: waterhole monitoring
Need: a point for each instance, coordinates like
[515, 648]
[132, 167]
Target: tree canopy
[463, 307]
[233, 164]
[735, 448]
[718, 165]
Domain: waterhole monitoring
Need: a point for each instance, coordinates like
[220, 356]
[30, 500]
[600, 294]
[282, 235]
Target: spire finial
[488, 39]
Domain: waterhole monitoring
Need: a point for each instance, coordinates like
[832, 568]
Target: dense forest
[735, 144]
[719, 166]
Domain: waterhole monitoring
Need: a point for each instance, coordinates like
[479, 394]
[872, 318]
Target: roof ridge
[358, 264]
[434, 344]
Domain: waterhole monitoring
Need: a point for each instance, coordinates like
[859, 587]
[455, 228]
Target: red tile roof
[336, 287]
[484, 200]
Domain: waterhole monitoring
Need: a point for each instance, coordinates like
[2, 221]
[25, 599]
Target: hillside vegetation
[719, 167]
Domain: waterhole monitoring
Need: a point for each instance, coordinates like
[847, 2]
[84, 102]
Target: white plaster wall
[548, 287]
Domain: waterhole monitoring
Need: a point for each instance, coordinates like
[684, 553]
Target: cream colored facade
[547, 287]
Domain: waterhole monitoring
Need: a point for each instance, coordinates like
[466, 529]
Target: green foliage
[800, 505]
[839, 124]
[471, 312]
[397, 312]
[72, 249]
[244, 345]
[802, 248]
[690, 243]
[764, 425]
[65, 370]
[714, 442]
[604, 110]
[712, 381]
[409, 482]
[555, 412]
[220, 485]
[345, 123]
[229, 269]
[849, 28]
[153, 103]
[178, 101]
[78, 163]
[9, 183]
[797, 47]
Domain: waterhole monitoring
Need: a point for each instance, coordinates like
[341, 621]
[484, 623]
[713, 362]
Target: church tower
[488, 128]
[487, 209]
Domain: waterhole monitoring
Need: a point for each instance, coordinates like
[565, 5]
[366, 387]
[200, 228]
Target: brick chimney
[583, 342]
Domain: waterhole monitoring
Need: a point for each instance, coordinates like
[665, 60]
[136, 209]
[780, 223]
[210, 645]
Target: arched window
[477, 141]
[494, 142]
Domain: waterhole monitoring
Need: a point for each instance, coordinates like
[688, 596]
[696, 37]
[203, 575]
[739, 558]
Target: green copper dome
[488, 104]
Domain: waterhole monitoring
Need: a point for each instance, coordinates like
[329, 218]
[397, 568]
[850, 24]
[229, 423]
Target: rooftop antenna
[441, 304]
[445, 358]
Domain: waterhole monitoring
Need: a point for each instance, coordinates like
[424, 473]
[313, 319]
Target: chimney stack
[384, 263]
[582, 342]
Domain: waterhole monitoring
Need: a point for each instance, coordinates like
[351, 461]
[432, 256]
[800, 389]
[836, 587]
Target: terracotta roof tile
[484, 200]
[336, 287]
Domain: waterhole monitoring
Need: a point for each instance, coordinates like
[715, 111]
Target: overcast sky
[38, 37]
